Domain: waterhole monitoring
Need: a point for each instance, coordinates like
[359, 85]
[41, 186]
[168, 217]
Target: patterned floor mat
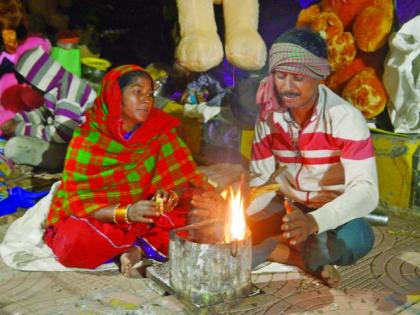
[386, 281]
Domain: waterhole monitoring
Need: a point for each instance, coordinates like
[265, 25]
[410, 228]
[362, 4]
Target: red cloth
[88, 243]
[21, 97]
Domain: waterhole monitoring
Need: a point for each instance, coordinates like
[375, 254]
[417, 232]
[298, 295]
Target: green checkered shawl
[102, 168]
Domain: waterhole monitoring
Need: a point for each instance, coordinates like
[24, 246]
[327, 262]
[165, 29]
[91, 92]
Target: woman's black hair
[305, 38]
[129, 77]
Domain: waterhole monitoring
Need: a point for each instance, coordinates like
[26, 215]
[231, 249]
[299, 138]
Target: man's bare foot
[128, 259]
[330, 275]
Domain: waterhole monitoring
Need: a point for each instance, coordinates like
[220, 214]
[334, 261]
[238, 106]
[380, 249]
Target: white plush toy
[200, 48]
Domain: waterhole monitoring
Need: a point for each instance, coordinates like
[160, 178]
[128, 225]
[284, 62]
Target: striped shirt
[330, 162]
[67, 97]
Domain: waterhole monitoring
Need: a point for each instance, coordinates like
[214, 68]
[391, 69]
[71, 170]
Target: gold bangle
[126, 214]
[120, 215]
[114, 219]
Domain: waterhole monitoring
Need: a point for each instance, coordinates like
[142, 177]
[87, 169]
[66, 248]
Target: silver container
[207, 274]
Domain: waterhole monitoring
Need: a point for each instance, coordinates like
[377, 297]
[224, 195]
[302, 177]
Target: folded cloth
[19, 198]
[21, 97]
[23, 246]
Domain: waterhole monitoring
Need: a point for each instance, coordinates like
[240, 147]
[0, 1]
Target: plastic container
[94, 69]
[67, 52]
[68, 42]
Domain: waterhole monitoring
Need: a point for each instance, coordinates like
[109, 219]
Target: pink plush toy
[8, 80]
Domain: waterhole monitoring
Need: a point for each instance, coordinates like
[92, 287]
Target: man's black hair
[305, 38]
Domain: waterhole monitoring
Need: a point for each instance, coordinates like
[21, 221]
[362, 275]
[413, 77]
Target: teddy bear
[370, 20]
[200, 47]
[355, 32]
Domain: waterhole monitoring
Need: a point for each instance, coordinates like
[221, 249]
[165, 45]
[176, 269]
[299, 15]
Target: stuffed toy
[373, 25]
[13, 17]
[308, 15]
[341, 50]
[354, 30]
[200, 47]
[340, 44]
[371, 20]
[21, 97]
[337, 80]
[327, 24]
[366, 92]
[346, 10]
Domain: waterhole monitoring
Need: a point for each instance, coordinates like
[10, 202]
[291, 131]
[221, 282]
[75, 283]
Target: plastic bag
[19, 198]
[401, 78]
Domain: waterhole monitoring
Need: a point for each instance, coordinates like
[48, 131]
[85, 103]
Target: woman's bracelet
[126, 214]
[120, 214]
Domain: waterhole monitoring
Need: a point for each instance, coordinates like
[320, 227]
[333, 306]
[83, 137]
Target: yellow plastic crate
[396, 169]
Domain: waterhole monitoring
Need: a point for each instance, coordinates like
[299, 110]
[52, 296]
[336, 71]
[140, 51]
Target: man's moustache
[289, 94]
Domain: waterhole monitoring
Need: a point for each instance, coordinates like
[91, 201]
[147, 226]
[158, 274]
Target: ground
[386, 281]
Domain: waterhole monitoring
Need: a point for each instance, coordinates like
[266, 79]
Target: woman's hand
[143, 211]
[166, 200]
[208, 205]
[9, 127]
[297, 226]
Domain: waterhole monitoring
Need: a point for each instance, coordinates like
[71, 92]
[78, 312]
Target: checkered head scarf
[297, 51]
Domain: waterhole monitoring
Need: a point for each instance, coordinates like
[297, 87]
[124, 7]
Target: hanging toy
[9, 40]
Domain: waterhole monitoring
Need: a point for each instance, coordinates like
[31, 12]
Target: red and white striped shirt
[330, 163]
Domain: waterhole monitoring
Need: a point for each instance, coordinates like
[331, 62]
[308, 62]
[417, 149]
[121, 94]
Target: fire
[235, 225]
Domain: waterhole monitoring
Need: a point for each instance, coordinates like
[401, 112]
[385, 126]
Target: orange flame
[235, 225]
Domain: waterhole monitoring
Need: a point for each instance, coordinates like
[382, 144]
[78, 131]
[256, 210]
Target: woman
[117, 160]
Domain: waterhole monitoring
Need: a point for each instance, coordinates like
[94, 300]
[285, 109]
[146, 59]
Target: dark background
[146, 31]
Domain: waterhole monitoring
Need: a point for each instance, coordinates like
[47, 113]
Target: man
[317, 147]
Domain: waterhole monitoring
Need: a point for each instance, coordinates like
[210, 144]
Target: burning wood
[235, 225]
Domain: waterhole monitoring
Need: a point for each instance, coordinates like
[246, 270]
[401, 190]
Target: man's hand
[208, 205]
[9, 127]
[297, 226]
